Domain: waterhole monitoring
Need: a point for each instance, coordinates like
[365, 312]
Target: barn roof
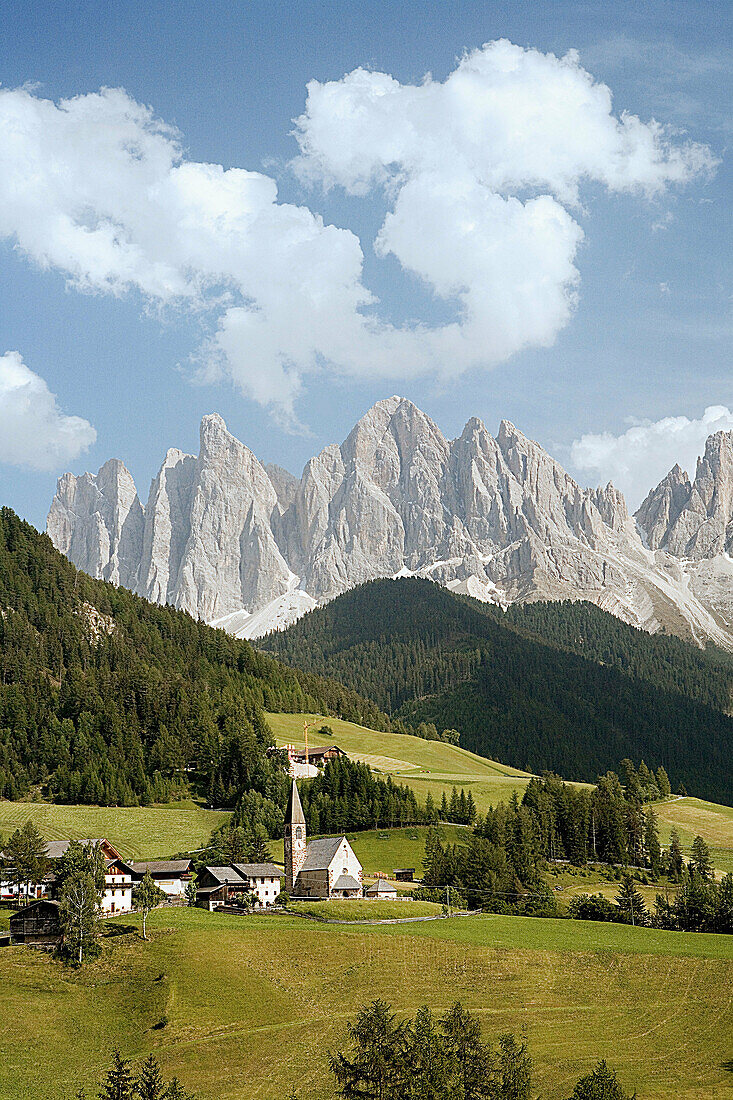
[55, 849]
[227, 874]
[162, 866]
[259, 870]
[320, 853]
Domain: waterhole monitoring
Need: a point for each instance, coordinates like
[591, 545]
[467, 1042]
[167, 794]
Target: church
[322, 869]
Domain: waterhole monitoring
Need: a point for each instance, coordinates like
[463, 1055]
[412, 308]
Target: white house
[118, 885]
[381, 889]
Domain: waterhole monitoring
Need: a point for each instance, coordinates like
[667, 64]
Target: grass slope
[356, 910]
[693, 817]
[254, 1004]
[426, 766]
[138, 832]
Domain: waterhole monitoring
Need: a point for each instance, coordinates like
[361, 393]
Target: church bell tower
[294, 838]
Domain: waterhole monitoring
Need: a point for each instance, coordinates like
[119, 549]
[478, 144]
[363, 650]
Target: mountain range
[251, 547]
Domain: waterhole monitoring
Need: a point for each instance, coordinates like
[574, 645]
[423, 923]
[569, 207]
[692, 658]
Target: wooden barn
[38, 924]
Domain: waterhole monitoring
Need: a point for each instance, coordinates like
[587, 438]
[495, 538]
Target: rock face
[230, 540]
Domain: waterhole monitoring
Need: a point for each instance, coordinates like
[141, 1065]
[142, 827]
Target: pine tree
[474, 1066]
[665, 787]
[374, 1068]
[118, 1083]
[701, 861]
[675, 855]
[652, 847]
[630, 902]
[25, 854]
[515, 1069]
[150, 1084]
[426, 1058]
[601, 1084]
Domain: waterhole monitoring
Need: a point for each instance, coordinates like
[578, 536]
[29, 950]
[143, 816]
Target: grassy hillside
[107, 699]
[423, 765]
[561, 688]
[254, 1004]
[692, 817]
[138, 832]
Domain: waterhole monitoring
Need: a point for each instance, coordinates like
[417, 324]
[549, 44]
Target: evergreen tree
[146, 896]
[665, 788]
[257, 848]
[25, 855]
[600, 1084]
[426, 1058]
[374, 1068]
[150, 1084]
[474, 1065]
[79, 902]
[118, 1083]
[675, 855]
[701, 861]
[515, 1069]
[630, 903]
[652, 847]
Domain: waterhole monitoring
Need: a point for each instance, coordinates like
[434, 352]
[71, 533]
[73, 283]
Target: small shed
[404, 874]
[381, 889]
[38, 924]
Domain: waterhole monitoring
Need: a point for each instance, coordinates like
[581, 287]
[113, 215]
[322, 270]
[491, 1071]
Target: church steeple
[294, 838]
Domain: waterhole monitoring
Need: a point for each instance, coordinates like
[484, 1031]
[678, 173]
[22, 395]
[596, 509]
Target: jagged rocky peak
[229, 539]
[694, 520]
[97, 521]
[662, 507]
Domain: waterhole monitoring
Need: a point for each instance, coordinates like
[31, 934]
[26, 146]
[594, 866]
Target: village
[316, 870]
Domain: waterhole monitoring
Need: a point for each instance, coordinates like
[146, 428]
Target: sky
[283, 212]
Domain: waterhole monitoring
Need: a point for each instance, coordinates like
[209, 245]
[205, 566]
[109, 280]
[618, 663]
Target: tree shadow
[113, 930]
[727, 1065]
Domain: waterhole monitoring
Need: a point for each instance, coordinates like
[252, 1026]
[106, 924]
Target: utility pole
[306, 726]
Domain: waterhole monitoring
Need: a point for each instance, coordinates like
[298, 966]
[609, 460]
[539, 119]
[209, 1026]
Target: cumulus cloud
[33, 430]
[479, 177]
[638, 459]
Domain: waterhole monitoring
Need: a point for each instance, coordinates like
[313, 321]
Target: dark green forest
[106, 698]
[563, 687]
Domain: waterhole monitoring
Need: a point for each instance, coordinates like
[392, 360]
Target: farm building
[322, 869]
[219, 885]
[38, 924]
[381, 890]
[404, 874]
[170, 875]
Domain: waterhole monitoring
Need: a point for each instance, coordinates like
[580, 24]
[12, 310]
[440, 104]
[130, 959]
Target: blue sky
[639, 330]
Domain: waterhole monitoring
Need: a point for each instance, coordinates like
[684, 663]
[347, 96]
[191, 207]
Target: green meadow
[138, 832]
[426, 766]
[250, 1006]
[693, 816]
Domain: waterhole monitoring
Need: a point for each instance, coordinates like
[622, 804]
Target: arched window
[298, 833]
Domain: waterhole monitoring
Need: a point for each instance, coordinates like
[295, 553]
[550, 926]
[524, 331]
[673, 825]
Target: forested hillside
[105, 698]
[564, 687]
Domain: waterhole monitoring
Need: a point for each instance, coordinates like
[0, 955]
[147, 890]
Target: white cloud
[33, 429]
[638, 459]
[476, 175]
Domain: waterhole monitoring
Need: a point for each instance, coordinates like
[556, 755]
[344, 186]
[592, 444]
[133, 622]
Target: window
[298, 833]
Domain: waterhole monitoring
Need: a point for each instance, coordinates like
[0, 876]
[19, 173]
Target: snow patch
[278, 614]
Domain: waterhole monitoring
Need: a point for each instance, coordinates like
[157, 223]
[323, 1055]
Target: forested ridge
[106, 698]
[563, 687]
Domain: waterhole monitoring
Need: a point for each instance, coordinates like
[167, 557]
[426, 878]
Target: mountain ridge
[224, 537]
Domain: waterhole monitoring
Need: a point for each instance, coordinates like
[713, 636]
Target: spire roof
[294, 814]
